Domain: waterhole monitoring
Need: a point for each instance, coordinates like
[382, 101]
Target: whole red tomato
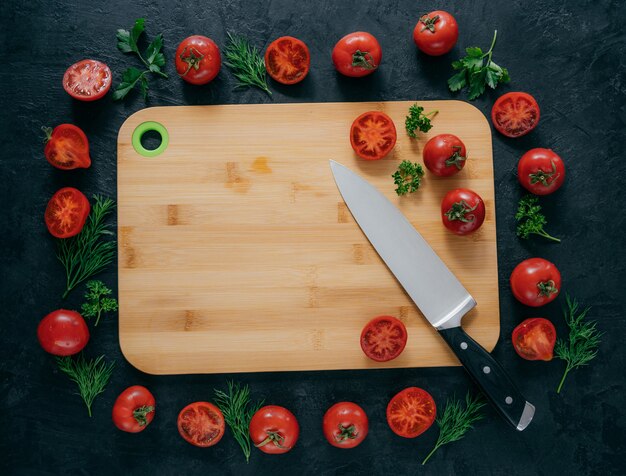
[274, 429]
[67, 212]
[541, 171]
[444, 155]
[462, 211]
[67, 147]
[534, 339]
[535, 282]
[436, 33]
[201, 424]
[134, 409]
[345, 425]
[411, 412]
[198, 59]
[357, 54]
[63, 332]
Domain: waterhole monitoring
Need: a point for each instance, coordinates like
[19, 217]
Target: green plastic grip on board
[144, 127]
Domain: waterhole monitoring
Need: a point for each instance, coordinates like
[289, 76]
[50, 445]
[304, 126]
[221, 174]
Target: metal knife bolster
[453, 318]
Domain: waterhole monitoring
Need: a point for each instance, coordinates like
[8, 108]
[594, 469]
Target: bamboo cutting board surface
[237, 253]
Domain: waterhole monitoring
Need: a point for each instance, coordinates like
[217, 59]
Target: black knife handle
[490, 377]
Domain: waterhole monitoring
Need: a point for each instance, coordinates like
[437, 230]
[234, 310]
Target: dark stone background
[570, 55]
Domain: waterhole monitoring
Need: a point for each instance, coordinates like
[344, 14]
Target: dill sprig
[87, 254]
[584, 339]
[531, 219]
[246, 62]
[456, 421]
[91, 376]
[238, 412]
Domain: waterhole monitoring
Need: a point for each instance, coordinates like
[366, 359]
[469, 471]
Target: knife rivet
[463, 345]
[508, 400]
[486, 369]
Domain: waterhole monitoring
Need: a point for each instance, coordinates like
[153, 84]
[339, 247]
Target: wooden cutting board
[237, 253]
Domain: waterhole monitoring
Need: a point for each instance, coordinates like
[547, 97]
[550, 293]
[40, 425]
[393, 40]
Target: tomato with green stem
[444, 155]
[134, 409]
[462, 211]
[535, 282]
[357, 54]
[63, 332]
[541, 171]
[436, 33]
[274, 429]
[534, 339]
[198, 60]
[67, 147]
[345, 425]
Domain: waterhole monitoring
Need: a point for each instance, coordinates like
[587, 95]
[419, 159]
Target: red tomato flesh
[515, 114]
[411, 412]
[534, 339]
[87, 80]
[373, 135]
[287, 60]
[67, 212]
[63, 332]
[383, 338]
[67, 147]
[201, 424]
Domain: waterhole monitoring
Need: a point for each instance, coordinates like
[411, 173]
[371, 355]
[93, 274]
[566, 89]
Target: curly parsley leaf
[418, 120]
[97, 300]
[476, 71]
[531, 220]
[408, 177]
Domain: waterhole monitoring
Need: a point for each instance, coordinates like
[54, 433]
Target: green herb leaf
[417, 120]
[97, 302]
[584, 339]
[238, 411]
[476, 70]
[91, 376]
[129, 80]
[531, 219]
[87, 253]
[408, 177]
[246, 63]
[153, 49]
[456, 420]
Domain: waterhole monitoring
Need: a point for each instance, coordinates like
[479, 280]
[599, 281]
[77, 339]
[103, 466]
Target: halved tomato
[201, 424]
[534, 339]
[383, 338]
[411, 412]
[67, 147]
[373, 135]
[515, 114]
[287, 60]
[67, 212]
[87, 80]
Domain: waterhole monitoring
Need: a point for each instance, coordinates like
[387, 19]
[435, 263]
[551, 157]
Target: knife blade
[435, 290]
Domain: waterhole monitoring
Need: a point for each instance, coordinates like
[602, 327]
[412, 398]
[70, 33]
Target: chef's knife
[440, 296]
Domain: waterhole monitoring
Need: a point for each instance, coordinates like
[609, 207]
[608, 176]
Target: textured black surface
[569, 55]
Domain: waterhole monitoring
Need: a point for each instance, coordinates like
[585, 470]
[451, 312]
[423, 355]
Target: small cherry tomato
[383, 338]
[462, 211]
[198, 60]
[373, 135]
[63, 332]
[357, 54]
[444, 155]
[515, 114]
[535, 282]
[87, 80]
[411, 412]
[534, 339]
[134, 409]
[67, 212]
[436, 33]
[287, 60]
[67, 147]
[541, 171]
[201, 424]
[345, 425]
[274, 429]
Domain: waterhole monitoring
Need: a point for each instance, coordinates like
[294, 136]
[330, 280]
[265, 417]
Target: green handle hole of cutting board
[155, 129]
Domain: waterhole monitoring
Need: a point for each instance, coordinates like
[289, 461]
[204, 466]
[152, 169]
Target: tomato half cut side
[373, 135]
[383, 338]
[411, 412]
[287, 60]
[201, 424]
[67, 212]
[67, 147]
[534, 339]
[87, 80]
[515, 114]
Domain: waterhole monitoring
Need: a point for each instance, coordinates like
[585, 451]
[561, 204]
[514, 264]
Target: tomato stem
[141, 413]
[363, 59]
[193, 59]
[459, 210]
[346, 433]
[547, 288]
[273, 437]
[429, 23]
[456, 159]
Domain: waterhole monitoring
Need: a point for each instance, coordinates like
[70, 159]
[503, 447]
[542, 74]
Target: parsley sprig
[456, 420]
[531, 220]
[583, 342]
[152, 59]
[97, 301]
[476, 70]
[408, 177]
[91, 376]
[246, 63]
[417, 120]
